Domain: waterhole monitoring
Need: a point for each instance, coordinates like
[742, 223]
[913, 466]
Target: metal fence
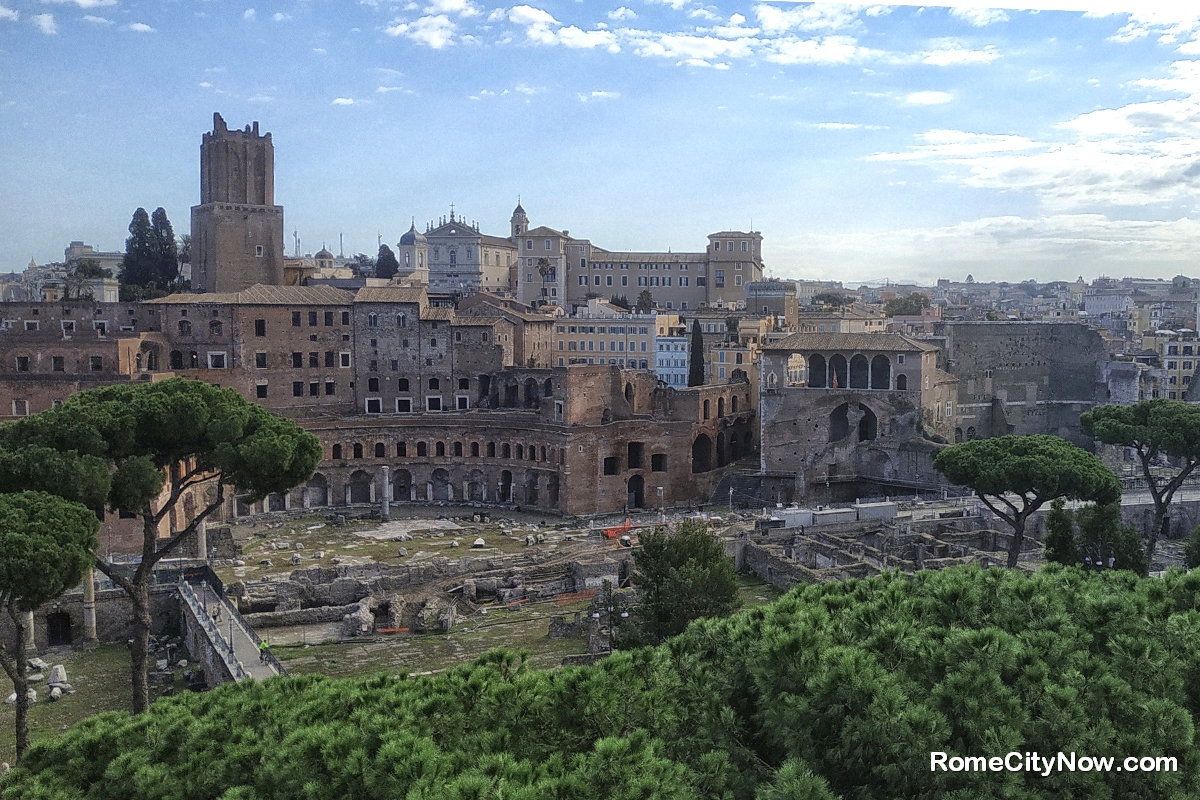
[224, 649]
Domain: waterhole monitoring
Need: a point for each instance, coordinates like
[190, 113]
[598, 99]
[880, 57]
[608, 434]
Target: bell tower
[519, 221]
[237, 230]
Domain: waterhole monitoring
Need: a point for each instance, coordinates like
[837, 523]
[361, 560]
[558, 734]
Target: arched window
[401, 450]
[818, 377]
[506, 451]
[458, 449]
[491, 450]
[520, 452]
[337, 452]
[185, 327]
[380, 450]
[358, 450]
[733, 404]
[422, 449]
[706, 409]
[720, 407]
[439, 449]
[881, 372]
[474, 449]
[401, 320]
[902, 383]
[372, 320]
[215, 327]
[176, 359]
[434, 383]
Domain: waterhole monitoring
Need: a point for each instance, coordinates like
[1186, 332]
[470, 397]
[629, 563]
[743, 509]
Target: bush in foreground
[836, 690]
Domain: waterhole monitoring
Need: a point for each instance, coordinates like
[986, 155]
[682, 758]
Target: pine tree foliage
[838, 690]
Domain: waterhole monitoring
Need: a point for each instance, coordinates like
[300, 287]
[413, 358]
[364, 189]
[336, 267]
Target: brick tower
[237, 230]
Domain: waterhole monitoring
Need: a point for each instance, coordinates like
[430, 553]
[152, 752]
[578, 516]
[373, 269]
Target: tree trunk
[1014, 549]
[140, 650]
[20, 685]
[1161, 527]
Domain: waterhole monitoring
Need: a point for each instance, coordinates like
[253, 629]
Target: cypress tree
[696, 356]
[386, 265]
[140, 262]
[166, 251]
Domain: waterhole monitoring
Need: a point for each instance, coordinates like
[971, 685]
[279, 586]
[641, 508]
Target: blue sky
[865, 142]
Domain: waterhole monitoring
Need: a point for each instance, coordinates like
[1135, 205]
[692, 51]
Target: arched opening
[531, 488]
[721, 459]
[435, 384]
[859, 372]
[902, 383]
[552, 491]
[733, 403]
[276, 502]
[380, 450]
[422, 450]
[505, 486]
[629, 393]
[176, 359]
[402, 485]
[474, 449]
[439, 449]
[637, 492]
[358, 450]
[548, 388]
[868, 426]
[520, 452]
[316, 492]
[702, 454]
[837, 371]
[958, 435]
[971, 435]
[797, 370]
[215, 327]
[337, 452]
[881, 372]
[58, 628]
[485, 386]
[458, 450]
[532, 393]
[706, 409]
[152, 360]
[817, 371]
[442, 489]
[512, 395]
[476, 486]
[193, 360]
[720, 407]
[858, 418]
[360, 487]
[505, 450]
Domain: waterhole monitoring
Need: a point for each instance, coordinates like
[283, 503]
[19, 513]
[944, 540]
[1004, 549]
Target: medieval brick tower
[237, 230]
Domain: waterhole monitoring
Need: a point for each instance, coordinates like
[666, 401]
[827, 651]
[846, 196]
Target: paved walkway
[245, 648]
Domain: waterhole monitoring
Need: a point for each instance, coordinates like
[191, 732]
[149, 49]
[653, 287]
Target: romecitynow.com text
[1045, 766]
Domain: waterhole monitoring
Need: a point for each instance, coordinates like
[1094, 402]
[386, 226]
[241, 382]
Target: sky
[866, 143]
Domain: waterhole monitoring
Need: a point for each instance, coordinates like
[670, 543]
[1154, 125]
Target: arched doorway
[442, 490]
[702, 454]
[505, 486]
[316, 492]
[58, 628]
[721, 460]
[817, 371]
[637, 492]
[476, 486]
[531, 488]
[859, 372]
[837, 369]
[881, 372]
[532, 393]
[360, 487]
[552, 490]
[402, 485]
[902, 383]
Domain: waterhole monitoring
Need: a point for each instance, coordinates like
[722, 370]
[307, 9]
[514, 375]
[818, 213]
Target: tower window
[258, 251]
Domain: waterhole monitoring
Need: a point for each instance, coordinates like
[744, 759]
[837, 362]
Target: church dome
[413, 237]
[323, 254]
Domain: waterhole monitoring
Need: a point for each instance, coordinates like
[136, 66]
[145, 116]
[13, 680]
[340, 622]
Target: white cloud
[205, 85]
[703, 13]
[622, 13]
[995, 248]
[598, 96]
[141, 27]
[927, 98]
[810, 17]
[829, 50]
[950, 144]
[45, 23]
[97, 20]
[281, 17]
[249, 14]
[433, 31]
[261, 98]
[390, 89]
[954, 54]
[979, 17]
[463, 8]
[675, 4]
[319, 51]
[845, 126]
[541, 27]
[84, 3]
[525, 89]
[575, 38]
[8, 14]
[343, 101]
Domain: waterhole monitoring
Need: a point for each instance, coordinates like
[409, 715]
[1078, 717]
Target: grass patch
[754, 591]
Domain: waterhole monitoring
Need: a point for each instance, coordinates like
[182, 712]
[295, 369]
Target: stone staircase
[744, 481]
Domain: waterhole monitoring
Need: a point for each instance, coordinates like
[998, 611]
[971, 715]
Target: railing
[223, 648]
[266, 655]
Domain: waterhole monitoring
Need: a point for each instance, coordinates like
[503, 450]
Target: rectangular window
[297, 360]
[330, 388]
[403, 405]
[402, 385]
[345, 360]
[260, 391]
[58, 364]
[295, 319]
[297, 389]
[260, 360]
[314, 389]
[31, 325]
[330, 358]
[258, 251]
[215, 361]
[720, 279]
[462, 402]
[433, 403]
[20, 408]
[260, 327]
[345, 317]
[374, 405]
[611, 465]
[658, 462]
[328, 319]
[68, 326]
[314, 360]
[312, 319]
[701, 280]
[372, 384]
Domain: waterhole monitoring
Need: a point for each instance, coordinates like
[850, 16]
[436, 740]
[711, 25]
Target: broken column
[202, 540]
[89, 606]
[383, 502]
